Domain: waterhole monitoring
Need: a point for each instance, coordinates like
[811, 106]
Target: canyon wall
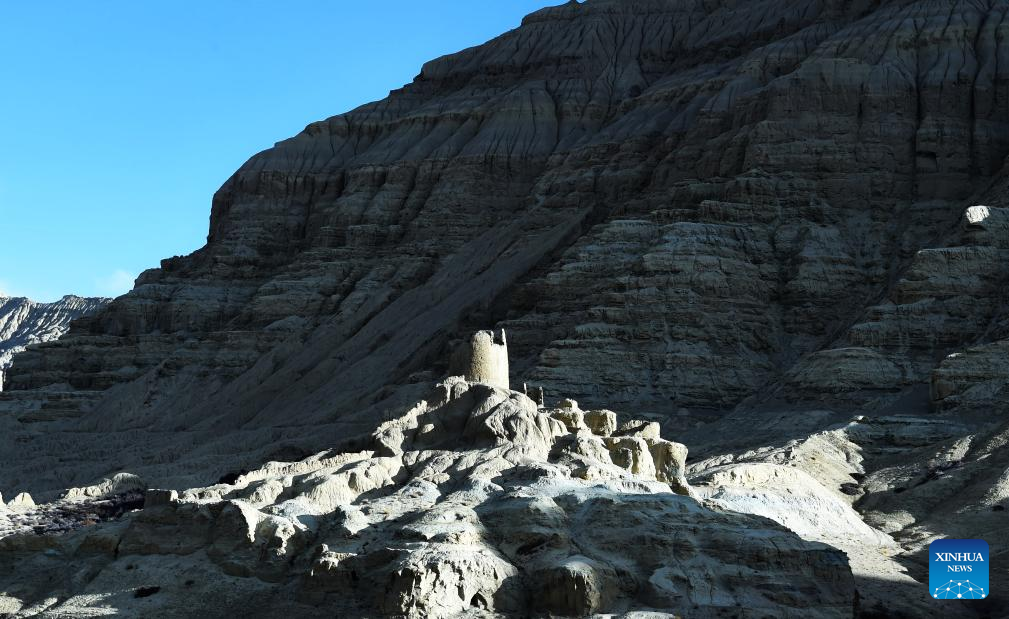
[779, 231]
[709, 213]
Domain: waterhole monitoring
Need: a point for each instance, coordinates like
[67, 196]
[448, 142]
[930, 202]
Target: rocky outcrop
[473, 502]
[24, 322]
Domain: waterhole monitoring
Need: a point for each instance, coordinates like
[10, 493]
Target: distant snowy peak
[24, 322]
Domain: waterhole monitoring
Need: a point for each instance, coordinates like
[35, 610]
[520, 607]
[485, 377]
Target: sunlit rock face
[471, 502]
[24, 322]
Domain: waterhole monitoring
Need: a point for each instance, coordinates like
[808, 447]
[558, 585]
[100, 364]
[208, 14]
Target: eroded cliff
[667, 203]
[24, 322]
[755, 222]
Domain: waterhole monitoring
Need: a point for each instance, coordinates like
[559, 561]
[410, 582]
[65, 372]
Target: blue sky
[119, 119]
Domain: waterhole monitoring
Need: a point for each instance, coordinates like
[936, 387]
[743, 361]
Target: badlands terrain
[755, 254]
[24, 322]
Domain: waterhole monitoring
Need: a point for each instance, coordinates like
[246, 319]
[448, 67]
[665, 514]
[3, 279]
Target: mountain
[779, 230]
[24, 322]
[676, 207]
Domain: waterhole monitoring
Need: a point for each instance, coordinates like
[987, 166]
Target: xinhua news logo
[958, 569]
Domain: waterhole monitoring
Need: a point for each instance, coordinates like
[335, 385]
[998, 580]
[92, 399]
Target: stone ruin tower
[482, 359]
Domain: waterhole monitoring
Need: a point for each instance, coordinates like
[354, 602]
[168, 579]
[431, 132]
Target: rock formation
[473, 502]
[674, 207]
[24, 322]
[775, 230]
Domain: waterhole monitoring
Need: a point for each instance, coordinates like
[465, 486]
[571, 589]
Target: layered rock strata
[24, 322]
[670, 206]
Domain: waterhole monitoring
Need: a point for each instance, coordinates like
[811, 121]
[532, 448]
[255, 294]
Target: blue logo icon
[958, 569]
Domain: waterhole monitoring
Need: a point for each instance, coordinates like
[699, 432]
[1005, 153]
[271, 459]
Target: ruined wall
[483, 359]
